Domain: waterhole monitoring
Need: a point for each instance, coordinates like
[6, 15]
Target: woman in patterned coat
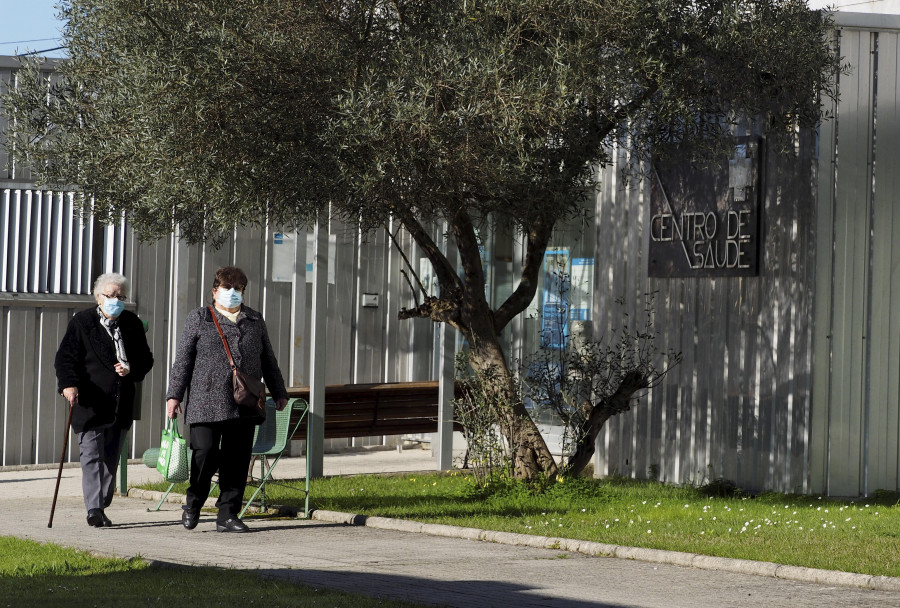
[221, 439]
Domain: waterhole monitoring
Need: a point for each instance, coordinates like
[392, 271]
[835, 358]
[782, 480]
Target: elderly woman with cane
[103, 354]
[221, 434]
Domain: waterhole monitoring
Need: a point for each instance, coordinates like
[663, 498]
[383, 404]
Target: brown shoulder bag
[249, 392]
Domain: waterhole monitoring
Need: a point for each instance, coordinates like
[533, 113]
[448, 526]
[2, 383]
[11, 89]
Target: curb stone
[677, 558]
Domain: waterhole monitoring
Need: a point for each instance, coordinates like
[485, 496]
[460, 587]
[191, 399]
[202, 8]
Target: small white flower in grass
[583, 510]
[848, 519]
[649, 531]
[686, 506]
[702, 532]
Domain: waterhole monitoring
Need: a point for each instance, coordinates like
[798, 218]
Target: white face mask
[229, 298]
[113, 307]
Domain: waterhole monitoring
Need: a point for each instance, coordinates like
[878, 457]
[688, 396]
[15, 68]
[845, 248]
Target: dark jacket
[86, 359]
[201, 367]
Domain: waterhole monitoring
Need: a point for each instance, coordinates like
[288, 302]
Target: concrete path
[382, 558]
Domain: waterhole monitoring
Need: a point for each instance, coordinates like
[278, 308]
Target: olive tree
[202, 114]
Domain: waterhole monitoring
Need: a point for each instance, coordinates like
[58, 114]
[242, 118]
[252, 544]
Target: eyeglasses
[114, 296]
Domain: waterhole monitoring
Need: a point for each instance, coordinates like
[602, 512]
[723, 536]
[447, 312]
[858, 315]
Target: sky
[29, 25]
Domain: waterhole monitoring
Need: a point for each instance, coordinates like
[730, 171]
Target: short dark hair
[230, 277]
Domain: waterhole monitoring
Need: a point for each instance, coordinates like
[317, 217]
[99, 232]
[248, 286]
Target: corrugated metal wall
[169, 279]
[856, 419]
[739, 404]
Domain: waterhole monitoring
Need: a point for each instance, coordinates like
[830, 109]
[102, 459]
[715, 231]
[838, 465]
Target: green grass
[853, 536]
[33, 574]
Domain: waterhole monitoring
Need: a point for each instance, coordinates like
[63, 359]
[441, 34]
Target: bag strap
[222, 335]
[172, 427]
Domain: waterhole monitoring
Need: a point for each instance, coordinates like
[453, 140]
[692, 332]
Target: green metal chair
[272, 438]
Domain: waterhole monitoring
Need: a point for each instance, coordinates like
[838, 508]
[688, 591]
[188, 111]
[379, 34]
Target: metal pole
[315, 420]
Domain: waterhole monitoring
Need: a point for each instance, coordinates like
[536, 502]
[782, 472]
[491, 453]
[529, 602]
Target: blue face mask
[229, 298]
[112, 307]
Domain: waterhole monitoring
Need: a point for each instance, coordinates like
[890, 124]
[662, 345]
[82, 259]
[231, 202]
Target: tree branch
[446, 275]
[618, 402]
[469, 253]
[408, 265]
[536, 242]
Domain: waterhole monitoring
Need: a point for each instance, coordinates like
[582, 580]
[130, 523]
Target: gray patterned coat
[201, 366]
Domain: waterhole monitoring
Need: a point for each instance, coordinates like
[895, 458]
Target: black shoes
[231, 525]
[189, 519]
[98, 519]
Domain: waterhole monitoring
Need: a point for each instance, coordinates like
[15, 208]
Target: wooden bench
[366, 410]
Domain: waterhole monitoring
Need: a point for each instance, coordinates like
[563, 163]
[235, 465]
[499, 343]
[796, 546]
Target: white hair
[111, 278]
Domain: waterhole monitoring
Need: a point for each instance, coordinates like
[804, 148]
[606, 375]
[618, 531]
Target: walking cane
[62, 458]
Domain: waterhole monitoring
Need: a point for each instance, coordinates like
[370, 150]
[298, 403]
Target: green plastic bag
[173, 462]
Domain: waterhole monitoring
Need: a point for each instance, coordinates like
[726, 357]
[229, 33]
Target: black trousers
[224, 447]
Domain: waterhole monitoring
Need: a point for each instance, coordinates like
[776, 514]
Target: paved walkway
[433, 565]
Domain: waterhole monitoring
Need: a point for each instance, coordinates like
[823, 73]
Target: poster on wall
[705, 222]
[582, 289]
[555, 299]
[284, 252]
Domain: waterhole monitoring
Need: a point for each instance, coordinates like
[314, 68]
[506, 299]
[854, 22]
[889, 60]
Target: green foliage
[202, 115]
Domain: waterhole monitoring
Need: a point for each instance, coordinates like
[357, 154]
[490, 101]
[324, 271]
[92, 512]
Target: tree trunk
[531, 456]
[619, 402]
